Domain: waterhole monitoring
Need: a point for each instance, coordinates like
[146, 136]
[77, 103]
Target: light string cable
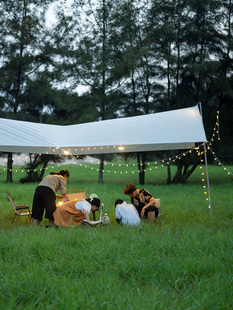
[204, 175]
[219, 162]
[156, 164]
[215, 130]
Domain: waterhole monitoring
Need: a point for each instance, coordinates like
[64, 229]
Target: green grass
[184, 261]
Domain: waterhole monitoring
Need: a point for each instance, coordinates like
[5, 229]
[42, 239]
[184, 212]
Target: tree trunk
[181, 177]
[141, 167]
[9, 168]
[32, 166]
[43, 170]
[101, 177]
[169, 180]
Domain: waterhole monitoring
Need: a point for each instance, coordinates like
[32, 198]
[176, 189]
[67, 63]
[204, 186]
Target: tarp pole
[208, 182]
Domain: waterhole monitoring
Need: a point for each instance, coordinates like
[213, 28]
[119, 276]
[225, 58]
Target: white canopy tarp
[177, 129]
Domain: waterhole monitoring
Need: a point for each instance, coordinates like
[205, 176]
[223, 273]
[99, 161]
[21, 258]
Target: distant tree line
[132, 56]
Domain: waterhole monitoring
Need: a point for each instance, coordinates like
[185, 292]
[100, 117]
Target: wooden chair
[75, 194]
[19, 210]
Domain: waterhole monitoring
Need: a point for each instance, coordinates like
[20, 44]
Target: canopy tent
[177, 129]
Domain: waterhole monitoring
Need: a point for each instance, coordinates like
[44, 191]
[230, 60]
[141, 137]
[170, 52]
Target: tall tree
[22, 53]
[202, 49]
[87, 54]
[23, 49]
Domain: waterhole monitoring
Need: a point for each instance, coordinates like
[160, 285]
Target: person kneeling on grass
[126, 213]
[74, 212]
[143, 201]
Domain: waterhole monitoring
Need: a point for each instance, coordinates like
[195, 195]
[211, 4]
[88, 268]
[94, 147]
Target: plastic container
[106, 219]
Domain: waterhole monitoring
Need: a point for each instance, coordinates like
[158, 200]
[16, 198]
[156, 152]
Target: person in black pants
[45, 195]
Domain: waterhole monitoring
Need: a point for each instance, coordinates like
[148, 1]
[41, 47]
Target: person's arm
[63, 191]
[118, 215]
[86, 214]
[152, 202]
[63, 188]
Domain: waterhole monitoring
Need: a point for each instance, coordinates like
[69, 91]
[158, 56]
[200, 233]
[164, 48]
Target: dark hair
[62, 172]
[129, 189]
[94, 202]
[118, 202]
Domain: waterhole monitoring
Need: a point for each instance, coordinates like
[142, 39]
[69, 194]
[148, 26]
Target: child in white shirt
[126, 213]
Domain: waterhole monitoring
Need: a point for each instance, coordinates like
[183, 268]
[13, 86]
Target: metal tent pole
[208, 182]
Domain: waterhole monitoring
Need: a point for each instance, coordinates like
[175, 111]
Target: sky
[50, 14]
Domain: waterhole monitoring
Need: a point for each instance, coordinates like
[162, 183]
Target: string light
[204, 177]
[149, 166]
[220, 163]
[216, 129]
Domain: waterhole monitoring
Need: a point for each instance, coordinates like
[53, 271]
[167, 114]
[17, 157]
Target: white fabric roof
[177, 129]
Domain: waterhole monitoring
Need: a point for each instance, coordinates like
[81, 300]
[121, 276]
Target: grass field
[184, 261]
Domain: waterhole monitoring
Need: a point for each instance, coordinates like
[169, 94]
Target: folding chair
[19, 210]
[93, 224]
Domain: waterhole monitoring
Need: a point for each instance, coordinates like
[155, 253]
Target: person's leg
[36, 222]
[51, 223]
[151, 212]
[78, 217]
[50, 206]
[37, 206]
[151, 216]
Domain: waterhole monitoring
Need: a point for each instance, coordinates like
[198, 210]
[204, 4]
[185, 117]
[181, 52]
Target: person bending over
[143, 201]
[45, 195]
[126, 213]
[74, 212]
